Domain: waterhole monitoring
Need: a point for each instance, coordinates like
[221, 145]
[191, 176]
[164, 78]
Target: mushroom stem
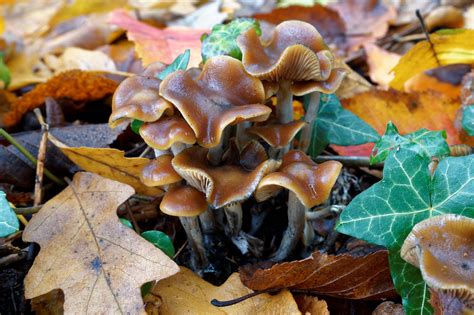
[233, 213]
[309, 118]
[160, 152]
[195, 240]
[208, 222]
[215, 153]
[242, 136]
[295, 229]
[308, 234]
[177, 147]
[284, 109]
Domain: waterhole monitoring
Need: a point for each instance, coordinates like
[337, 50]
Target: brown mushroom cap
[311, 182]
[183, 201]
[296, 53]
[443, 248]
[278, 135]
[223, 94]
[163, 133]
[222, 185]
[159, 172]
[293, 156]
[252, 154]
[138, 97]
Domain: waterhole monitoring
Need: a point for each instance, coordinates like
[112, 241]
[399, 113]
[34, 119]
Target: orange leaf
[380, 63]
[153, 44]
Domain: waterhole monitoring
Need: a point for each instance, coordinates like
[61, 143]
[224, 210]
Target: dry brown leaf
[98, 262]
[381, 63]
[82, 59]
[311, 305]
[186, 293]
[74, 85]
[352, 83]
[342, 276]
[110, 163]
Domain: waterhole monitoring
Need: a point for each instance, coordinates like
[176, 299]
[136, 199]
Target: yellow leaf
[110, 163]
[450, 46]
[98, 262]
[78, 58]
[186, 293]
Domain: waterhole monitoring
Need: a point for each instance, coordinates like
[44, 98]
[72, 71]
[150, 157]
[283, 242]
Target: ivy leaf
[135, 125]
[180, 63]
[385, 213]
[468, 120]
[126, 222]
[4, 73]
[423, 141]
[336, 125]
[8, 221]
[161, 241]
[221, 41]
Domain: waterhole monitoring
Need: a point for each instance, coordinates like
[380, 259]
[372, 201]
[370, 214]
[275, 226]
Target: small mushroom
[160, 172]
[169, 132]
[188, 203]
[443, 248]
[223, 94]
[309, 185]
[225, 186]
[278, 136]
[138, 97]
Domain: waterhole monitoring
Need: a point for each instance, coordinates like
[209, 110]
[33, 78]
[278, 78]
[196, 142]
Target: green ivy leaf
[4, 73]
[161, 241]
[423, 141]
[126, 223]
[385, 213]
[468, 120]
[180, 63]
[9, 223]
[336, 125]
[135, 125]
[221, 41]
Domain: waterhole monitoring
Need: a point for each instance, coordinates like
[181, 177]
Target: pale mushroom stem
[295, 229]
[233, 213]
[309, 118]
[177, 147]
[195, 240]
[284, 107]
[242, 136]
[208, 222]
[160, 152]
[308, 234]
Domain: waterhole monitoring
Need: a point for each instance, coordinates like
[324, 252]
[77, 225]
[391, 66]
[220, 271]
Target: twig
[351, 161]
[29, 156]
[132, 218]
[28, 210]
[121, 73]
[180, 250]
[38, 195]
[423, 28]
[12, 258]
[147, 149]
[218, 303]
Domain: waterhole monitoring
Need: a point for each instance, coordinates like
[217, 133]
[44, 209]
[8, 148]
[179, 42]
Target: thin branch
[28, 210]
[427, 35]
[38, 194]
[218, 303]
[351, 161]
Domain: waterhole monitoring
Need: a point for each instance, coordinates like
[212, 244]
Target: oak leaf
[342, 276]
[110, 163]
[99, 263]
[186, 293]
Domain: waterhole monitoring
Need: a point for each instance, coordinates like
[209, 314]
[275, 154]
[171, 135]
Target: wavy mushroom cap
[160, 172]
[293, 156]
[221, 95]
[296, 53]
[311, 182]
[138, 97]
[222, 185]
[183, 201]
[443, 248]
[278, 135]
[167, 131]
[251, 155]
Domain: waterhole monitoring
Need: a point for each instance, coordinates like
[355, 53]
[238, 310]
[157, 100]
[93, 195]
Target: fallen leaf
[82, 59]
[205, 17]
[389, 308]
[75, 85]
[9, 223]
[342, 276]
[408, 111]
[311, 305]
[26, 69]
[99, 263]
[380, 63]
[110, 163]
[153, 44]
[186, 293]
[449, 47]
[352, 83]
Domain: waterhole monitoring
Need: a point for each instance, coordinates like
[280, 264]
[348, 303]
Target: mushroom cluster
[217, 144]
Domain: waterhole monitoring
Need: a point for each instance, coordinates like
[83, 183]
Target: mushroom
[188, 203]
[225, 186]
[443, 248]
[169, 132]
[138, 97]
[309, 185]
[221, 95]
[160, 172]
[278, 136]
[298, 60]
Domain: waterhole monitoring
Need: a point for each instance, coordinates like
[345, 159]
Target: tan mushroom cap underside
[443, 248]
[278, 135]
[183, 201]
[296, 53]
[167, 131]
[311, 182]
[138, 97]
[223, 185]
[159, 172]
[223, 94]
